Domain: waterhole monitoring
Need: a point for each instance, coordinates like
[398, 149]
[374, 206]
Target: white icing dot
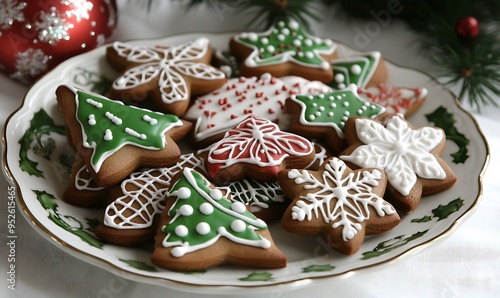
[339, 78]
[92, 120]
[301, 54]
[203, 228]
[321, 108]
[94, 103]
[297, 43]
[281, 37]
[238, 226]
[333, 105]
[331, 98]
[113, 118]
[356, 69]
[270, 49]
[321, 96]
[216, 194]
[360, 111]
[347, 113]
[345, 104]
[285, 31]
[330, 114]
[342, 86]
[345, 118]
[264, 40]
[183, 193]
[108, 135]
[150, 120]
[314, 104]
[238, 207]
[312, 117]
[328, 42]
[325, 65]
[206, 208]
[293, 25]
[318, 114]
[310, 97]
[308, 42]
[281, 24]
[134, 133]
[253, 36]
[186, 210]
[309, 55]
[181, 231]
[178, 251]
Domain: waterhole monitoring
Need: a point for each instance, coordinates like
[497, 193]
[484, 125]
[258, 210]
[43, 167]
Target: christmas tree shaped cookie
[169, 76]
[410, 157]
[201, 228]
[285, 49]
[363, 70]
[114, 139]
[337, 203]
[323, 116]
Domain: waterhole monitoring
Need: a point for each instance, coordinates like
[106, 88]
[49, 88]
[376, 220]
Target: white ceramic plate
[36, 159]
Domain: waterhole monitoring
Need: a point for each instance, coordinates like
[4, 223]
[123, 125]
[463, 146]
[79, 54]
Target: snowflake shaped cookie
[169, 75]
[410, 157]
[337, 203]
[256, 149]
[285, 49]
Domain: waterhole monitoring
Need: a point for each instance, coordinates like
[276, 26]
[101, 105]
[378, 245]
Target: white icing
[169, 66]
[108, 135]
[344, 199]
[365, 72]
[203, 228]
[181, 231]
[403, 153]
[186, 210]
[238, 226]
[238, 207]
[206, 208]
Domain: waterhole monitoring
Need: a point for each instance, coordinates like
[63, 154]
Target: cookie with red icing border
[256, 149]
[323, 116]
[396, 100]
[337, 203]
[285, 49]
[114, 139]
[410, 157]
[201, 228]
[167, 75]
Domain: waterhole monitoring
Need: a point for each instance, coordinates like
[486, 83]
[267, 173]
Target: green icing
[356, 70]
[287, 41]
[335, 108]
[221, 216]
[108, 125]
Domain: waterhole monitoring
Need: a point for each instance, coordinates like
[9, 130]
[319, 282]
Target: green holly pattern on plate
[139, 265]
[318, 268]
[258, 276]
[442, 211]
[446, 121]
[392, 244]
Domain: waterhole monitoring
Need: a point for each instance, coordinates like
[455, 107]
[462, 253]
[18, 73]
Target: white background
[465, 264]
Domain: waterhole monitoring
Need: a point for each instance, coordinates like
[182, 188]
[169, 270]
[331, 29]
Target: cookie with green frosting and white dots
[362, 70]
[285, 49]
[202, 228]
[323, 116]
[115, 139]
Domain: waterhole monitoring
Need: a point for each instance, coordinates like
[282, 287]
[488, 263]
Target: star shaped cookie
[285, 49]
[337, 203]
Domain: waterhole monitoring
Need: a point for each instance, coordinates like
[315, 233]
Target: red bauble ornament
[35, 36]
[467, 27]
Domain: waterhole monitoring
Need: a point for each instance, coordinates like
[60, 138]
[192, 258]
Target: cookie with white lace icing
[131, 217]
[169, 76]
[410, 157]
[285, 49]
[201, 227]
[337, 203]
[115, 139]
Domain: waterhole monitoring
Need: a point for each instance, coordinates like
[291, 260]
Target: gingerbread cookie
[323, 116]
[130, 219]
[396, 100]
[410, 157]
[337, 203]
[169, 76]
[362, 70]
[201, 228]
[285, 49]
[256, 149]
[114, 139]
[217, 112]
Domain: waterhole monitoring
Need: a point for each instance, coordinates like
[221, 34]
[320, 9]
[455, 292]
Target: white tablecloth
[465, 264]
